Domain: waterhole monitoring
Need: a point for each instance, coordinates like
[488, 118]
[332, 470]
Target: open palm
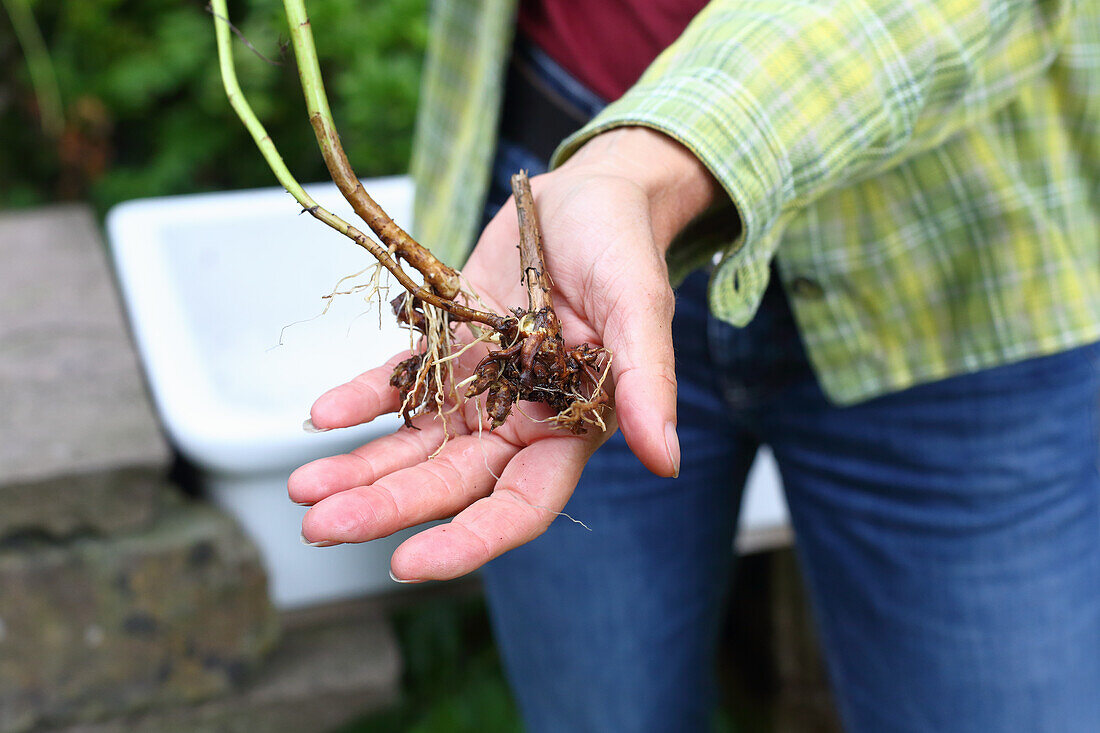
[503, 488]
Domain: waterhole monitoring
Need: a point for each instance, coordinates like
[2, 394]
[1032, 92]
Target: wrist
[676, 183]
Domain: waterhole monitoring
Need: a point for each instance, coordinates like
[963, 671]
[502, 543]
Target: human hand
[607, 217]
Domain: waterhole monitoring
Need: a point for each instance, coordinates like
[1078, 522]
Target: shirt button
[804, 287]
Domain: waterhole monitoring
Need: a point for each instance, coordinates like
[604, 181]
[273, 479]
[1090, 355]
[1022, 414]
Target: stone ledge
[73, 395]
[103, 503]
[320, 676]
[96, 627]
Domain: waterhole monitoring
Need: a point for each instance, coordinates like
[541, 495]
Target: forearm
[786, 102]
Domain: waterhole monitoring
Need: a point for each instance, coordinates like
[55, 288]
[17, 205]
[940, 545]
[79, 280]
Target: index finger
[360, 400]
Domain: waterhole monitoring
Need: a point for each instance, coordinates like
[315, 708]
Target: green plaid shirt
[926, 173]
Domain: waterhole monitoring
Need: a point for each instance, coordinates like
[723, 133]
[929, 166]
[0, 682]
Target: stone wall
[125, 606]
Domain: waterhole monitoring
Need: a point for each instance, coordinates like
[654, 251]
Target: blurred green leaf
[146, 114]
[453, 680]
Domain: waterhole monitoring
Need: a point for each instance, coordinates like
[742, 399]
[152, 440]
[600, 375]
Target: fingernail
[320, 543]
[302, 503]
[396, 579]
[672, 445]
[309, 427]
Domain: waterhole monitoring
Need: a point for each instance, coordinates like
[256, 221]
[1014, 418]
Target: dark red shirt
[605, 44]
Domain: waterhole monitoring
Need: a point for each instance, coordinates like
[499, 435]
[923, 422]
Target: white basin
[211, 283]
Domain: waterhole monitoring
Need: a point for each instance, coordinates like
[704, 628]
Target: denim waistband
[543, 103]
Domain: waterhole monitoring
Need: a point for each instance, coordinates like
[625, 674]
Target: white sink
[212, 282]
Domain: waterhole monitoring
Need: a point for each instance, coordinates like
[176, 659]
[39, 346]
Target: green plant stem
[39, 65]
[282, 173]
[442, 278]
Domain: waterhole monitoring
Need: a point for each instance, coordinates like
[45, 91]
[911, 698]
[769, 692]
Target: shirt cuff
[715, 121]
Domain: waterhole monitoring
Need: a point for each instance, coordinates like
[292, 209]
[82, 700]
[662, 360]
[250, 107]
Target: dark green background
[145, 111]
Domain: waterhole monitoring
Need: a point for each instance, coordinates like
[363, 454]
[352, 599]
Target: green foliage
[453, 679]
[146, 114]
[454, 682]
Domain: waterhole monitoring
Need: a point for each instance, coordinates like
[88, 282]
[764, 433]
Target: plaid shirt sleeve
[922, 173]
[786, 101]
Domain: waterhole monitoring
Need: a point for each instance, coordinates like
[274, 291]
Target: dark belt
[535, 116]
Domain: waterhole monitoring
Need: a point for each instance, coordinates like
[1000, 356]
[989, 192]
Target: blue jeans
[949, 535]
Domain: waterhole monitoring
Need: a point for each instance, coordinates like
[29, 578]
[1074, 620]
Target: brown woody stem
[424, 293]
[531, 259]
[282, 173]
[442, 279]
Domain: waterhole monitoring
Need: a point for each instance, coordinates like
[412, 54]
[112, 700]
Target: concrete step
[79, 442]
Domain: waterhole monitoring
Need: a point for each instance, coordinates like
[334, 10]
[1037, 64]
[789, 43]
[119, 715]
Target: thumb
[638, 330]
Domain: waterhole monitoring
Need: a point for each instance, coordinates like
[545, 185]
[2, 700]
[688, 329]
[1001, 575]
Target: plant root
[533, 363]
